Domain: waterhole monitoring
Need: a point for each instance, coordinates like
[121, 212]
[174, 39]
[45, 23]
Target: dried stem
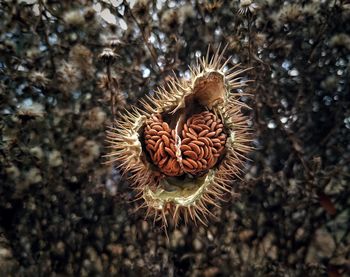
[46, 38]
[149, 46]
[110, 88]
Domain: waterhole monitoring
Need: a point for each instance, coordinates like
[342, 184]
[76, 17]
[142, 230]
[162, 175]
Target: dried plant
[63, 212]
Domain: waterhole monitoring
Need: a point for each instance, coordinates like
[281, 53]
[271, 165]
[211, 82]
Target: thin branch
[46, 38]
[149, 46]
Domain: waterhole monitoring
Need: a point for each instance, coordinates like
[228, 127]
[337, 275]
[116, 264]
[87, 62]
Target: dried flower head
[212, 6]
[291, 13]
[74, 18]
[141, 8]
[81, 56]
[110, 88]
[170, 20]
[108, 55]
[184, 147]
[340, 40]
[39, 78]
[247, 6]
[68, 76]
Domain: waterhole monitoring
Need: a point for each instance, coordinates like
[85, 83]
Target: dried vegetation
[63, 62]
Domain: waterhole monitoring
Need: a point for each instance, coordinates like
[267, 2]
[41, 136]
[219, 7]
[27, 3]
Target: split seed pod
[185, 146]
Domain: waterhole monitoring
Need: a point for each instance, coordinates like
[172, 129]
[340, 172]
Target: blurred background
[64, 213]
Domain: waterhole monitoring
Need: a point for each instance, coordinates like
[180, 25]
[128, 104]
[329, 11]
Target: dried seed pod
[187, 143]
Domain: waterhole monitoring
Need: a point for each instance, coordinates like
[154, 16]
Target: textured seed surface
[202, 142]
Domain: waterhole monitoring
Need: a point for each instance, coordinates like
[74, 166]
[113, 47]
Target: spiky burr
[188, 142]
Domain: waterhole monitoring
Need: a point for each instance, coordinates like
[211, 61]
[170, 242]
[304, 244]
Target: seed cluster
[160, 144]
[202, 142]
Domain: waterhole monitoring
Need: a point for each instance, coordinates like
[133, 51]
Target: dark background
[62, 212]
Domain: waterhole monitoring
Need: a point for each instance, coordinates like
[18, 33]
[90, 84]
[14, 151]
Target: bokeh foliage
[62, 212]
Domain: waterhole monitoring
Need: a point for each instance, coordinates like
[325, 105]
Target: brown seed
[209, 122]
[187, 164]
[204, 140]
[186, 127]
[195, 147]
[199, 142]
[211, 134]
[166, 127]
[212, 126]
[169, 165]
[211, 162]
[157, 145]
[155, 118]
[157, 127]
[157, 157]
[163, 133]
[152, 132]
[206, 152]
[196, 128]
[191, 136]
[217, 145]
[166, 140]
[191, 154]
[161, 149]
[203, 133]
[218, 131]
[155, 137]
[185, 147]
[215, 140]
[210, 142]
[150, 147]
[170, 152]
[198, 121]
[186, 141]
[194, 164]
[162, 162]
[173, 148]
[151, 142]
[176, 166]
[148, 136]
[201, 154]
[204, 127]
[193, 132]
